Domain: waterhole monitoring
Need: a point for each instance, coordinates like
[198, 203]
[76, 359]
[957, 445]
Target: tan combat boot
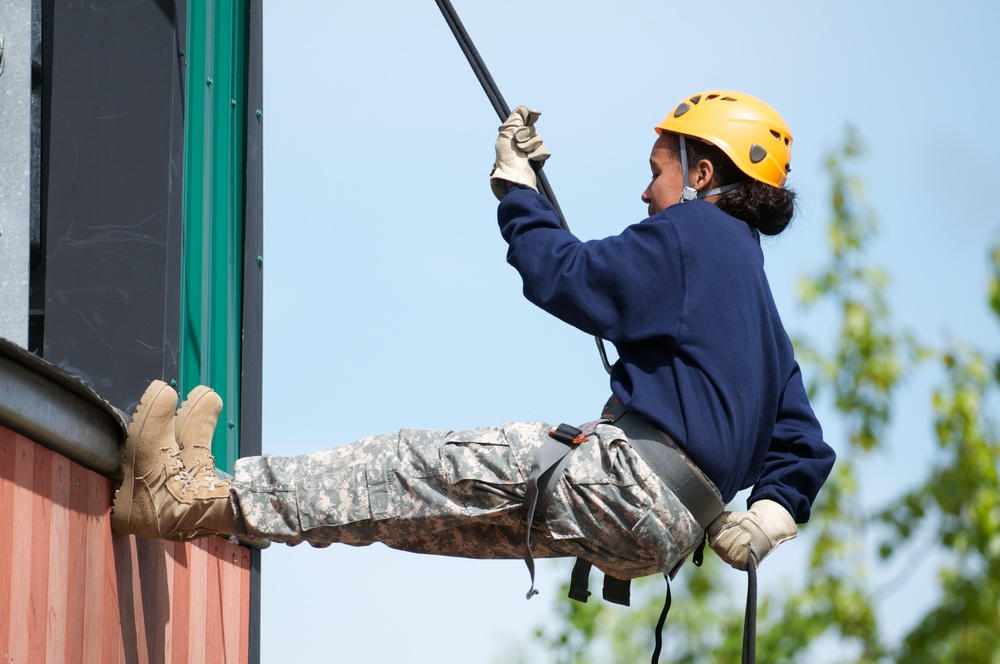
[193, 430]
[159, 498]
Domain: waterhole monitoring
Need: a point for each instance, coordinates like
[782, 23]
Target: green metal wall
[214, 212]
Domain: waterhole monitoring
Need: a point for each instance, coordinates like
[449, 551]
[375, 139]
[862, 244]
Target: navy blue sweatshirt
[702, 352]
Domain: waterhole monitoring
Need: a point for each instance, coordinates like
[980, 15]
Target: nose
[645, 196]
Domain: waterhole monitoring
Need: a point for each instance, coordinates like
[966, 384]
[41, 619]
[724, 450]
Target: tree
[957, 509]
[952, 515]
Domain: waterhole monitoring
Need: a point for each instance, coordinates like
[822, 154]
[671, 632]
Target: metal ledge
[59, 411]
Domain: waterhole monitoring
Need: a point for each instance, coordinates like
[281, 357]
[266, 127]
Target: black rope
[492, 91]
[503, 111]
[472, 55]
[658, 634]
[750, 617]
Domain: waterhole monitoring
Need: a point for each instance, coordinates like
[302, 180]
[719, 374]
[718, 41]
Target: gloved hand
[735, 534]
[517, 146]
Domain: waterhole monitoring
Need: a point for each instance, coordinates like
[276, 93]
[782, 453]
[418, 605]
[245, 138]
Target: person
[707, 397]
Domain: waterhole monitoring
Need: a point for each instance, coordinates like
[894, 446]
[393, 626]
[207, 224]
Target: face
[665, 188]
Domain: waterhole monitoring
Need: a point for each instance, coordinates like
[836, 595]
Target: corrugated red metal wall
[72, 591]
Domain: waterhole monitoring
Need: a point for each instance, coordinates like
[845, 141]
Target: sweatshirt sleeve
[798, 461]
[591, 285]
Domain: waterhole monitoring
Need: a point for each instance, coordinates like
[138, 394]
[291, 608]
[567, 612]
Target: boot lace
[199, 475]
[177, 466]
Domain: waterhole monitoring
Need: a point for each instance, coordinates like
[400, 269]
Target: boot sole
[121, 504]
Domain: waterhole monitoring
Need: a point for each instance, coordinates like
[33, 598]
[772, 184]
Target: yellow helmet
[750, 132]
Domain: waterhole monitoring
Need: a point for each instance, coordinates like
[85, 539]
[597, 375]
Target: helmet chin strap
[689, 193]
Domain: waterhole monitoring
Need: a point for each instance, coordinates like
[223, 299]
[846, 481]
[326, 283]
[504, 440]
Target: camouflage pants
[459, 493]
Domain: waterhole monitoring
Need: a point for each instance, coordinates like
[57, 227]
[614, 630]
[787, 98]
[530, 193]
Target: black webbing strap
[580, 580]
[548, 464]
[549, 460]
[616, 591]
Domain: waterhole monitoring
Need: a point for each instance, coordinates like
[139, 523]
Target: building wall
[15, 169]
[73, 591]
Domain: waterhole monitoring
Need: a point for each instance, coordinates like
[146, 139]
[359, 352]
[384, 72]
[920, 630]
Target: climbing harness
[503, 111]
[692, 488]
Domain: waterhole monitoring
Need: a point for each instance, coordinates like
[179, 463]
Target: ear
[702, 174]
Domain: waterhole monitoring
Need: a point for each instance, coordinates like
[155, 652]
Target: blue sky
[388, 302]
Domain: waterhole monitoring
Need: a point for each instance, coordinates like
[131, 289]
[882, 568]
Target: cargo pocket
[657, 541]
[598, 499]
[333, 498]
[604, 459]
[481, 469]
[671, 534]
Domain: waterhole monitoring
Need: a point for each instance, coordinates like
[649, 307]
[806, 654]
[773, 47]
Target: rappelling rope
[750, 615]
[492, 91]
[503, 111]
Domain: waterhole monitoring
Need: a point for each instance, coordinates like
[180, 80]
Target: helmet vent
[757, 153]
[728, 99]
[775, 134]
[682, 108]
[695, 99]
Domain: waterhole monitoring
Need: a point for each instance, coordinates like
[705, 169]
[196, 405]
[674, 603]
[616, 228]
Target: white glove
[517, 146]
[735, 534]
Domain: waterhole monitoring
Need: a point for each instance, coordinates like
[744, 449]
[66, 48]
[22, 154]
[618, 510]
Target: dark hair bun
[767, 208]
